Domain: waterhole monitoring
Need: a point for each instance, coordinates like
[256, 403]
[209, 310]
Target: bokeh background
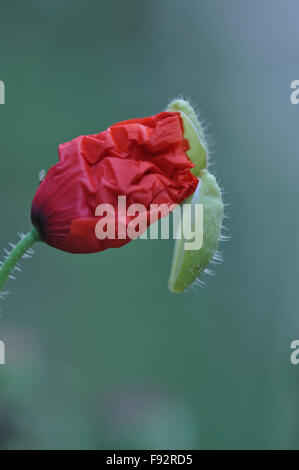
[99, 353]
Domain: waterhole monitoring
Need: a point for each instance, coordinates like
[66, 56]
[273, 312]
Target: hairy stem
[16, 254]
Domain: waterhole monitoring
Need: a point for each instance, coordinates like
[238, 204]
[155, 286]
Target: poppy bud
[145, 160]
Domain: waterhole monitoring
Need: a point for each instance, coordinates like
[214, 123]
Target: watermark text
[2, 353]
[132, 221]
[294, 97]
[2, 92]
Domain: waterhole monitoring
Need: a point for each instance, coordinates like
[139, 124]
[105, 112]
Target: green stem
[16, 254]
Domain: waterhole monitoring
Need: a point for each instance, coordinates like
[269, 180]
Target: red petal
[142, 159]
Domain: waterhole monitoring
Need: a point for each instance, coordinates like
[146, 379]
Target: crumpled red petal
[142, 159]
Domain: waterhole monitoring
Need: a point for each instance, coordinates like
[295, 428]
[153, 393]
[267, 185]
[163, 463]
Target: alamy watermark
[2, 353]
[294, 96]
[133, 220]
[294, 357]
[2, 92]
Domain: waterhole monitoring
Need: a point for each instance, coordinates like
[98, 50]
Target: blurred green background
[99, 353]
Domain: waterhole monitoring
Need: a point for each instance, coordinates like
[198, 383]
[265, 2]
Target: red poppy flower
[142, 159]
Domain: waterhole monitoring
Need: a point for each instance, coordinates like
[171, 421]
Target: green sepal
[188, 265]
[193, 133]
